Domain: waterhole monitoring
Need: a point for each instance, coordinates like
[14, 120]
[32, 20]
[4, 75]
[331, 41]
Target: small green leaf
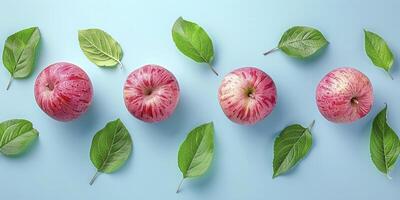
[16, 135]
[193, 41]
[292, 145]
[111, 147]
[100, 48]
[196, 152]
[301, 42]
[378, 51]
[19, 53]
[384, 144]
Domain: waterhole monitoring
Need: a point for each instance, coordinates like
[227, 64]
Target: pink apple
[151, 93]
[344, 95]
[63, 91]
[247, 95]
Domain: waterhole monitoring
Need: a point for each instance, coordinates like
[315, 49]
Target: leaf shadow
[169, 126]
[395, 68]
[38, 59]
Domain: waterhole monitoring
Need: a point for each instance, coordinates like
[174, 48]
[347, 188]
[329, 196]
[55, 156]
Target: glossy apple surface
[344, 95]
[247, 95]
[63, 91]
[151, 93]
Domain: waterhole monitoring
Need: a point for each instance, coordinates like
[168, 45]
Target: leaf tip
[179, 19]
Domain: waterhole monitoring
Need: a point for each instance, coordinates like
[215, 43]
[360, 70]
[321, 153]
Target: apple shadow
[170, 126]
[269, 126]
[86, 122]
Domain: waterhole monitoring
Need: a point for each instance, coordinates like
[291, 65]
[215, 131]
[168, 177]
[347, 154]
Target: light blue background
[338, 166]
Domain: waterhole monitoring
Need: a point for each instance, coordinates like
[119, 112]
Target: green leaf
[384, 144]
[19, 53]
[197, 151]
[100, 48]
[292, 145]
[378, 51]
[111, 147]
[301, 42]
[193, 41]
[16, 135]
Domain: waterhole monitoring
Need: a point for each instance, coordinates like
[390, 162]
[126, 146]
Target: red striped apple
[344, 95]
[247, 95]
[151, 93]
[63, 91]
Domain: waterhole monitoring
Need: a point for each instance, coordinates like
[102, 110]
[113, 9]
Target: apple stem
[212, 68]
[9, 83]
[311, 125]
[179, 186]
[270, 51]
[94, 177]
[354, 101]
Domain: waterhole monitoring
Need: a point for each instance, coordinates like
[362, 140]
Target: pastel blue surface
[338, 166]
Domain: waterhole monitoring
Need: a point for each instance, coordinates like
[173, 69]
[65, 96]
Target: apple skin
[344, 95]
[151, 93]
[247, 95]
[63, 91]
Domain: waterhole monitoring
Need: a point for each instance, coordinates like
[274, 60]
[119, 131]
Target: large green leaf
[193, 41]
[384, 144]
[378, 51]
[111, 147]
[100, 48]
[301, 42]
[16, 136]
[20, 51]
[196, 152]
[292, 145]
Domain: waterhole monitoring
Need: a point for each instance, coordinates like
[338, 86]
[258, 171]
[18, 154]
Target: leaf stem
[390, 75]
[179, 186]
[120, 63]
[94, 177]
[388, 176]
[212, 68]
[311, 125]
[270, 51]
[9, 83]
